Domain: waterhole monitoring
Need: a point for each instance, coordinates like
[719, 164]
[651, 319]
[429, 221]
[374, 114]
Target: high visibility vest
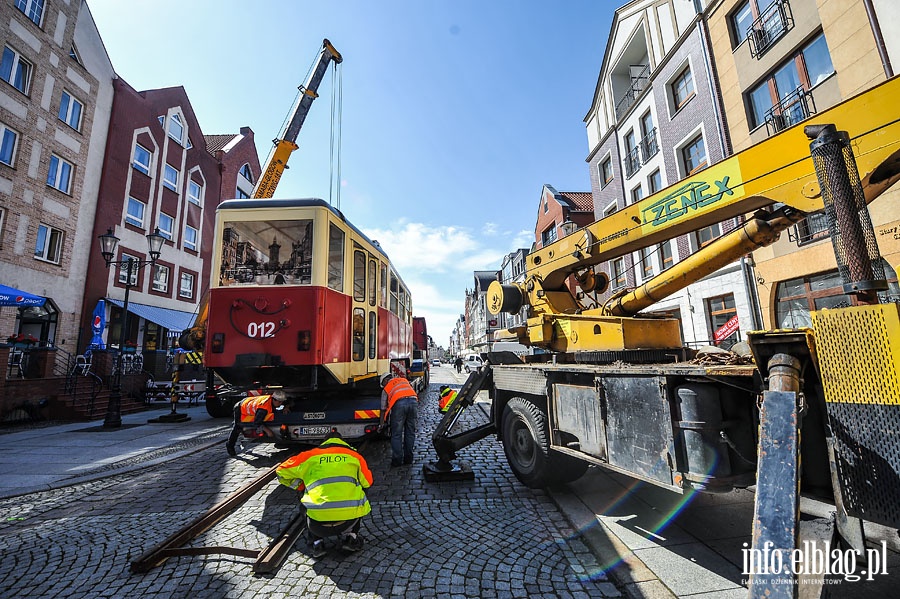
[397, 388]
[333, 478]
[447, 399]
[251, 404]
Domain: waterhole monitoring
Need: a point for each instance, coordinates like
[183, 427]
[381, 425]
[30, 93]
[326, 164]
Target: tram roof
[299, 203]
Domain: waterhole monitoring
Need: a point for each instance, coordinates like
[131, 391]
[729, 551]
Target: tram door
[363, 329]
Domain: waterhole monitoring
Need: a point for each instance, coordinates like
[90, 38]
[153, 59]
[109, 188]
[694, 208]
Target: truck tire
[219, 409]
[526, 442]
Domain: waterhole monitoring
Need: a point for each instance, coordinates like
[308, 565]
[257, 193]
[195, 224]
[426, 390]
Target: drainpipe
[879, 39]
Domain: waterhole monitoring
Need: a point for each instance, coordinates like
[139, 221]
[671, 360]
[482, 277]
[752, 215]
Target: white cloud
[437, 265]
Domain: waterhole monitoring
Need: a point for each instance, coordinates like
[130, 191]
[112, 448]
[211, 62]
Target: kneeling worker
[447, 397]
[333, 478]
[257, 410]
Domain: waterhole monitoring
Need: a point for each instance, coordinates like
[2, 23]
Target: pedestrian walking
[257, 410]
[332, 479]
[399, 404]
[458, 363]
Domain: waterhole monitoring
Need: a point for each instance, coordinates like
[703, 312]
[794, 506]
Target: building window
[241, 194]
[546, 207]
[549, 235]
[134, 214]
[33, 9]
[610, 208]
[721, 310]
[70, 110]
[801, 72]
[195, 192]
[15, 70]
[636, 194]
[9, 141]
[742, 20]
[186, 288]
[246, 173]
[141, 159]
[632, 155]
[166, 225]
[160, 278]
[812, 228]
[707, 235]
[176, 129]
[646, 262]
[654, 182]
[125, 273]
[666, 259]
[682, 88]
[48, 246]
[170, 178]
[693, 155]
[606, 172]
[60, 174]
[190, 238]
[649, 147]
[618, 273]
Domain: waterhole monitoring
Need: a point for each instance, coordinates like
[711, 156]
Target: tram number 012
[261, 330]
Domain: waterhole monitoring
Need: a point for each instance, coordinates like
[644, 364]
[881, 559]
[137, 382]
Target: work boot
[351, 542]
[318, 548]
[231, 451]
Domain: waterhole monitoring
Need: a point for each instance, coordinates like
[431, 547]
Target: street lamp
[108, 243]
[568, 227]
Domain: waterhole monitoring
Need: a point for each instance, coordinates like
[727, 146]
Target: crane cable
[334, 174]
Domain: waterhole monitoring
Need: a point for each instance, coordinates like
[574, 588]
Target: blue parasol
[10, 296]
[98, 323]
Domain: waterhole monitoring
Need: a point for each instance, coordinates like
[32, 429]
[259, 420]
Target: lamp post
[108, 243]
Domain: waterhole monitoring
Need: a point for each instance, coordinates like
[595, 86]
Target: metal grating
[859, 361]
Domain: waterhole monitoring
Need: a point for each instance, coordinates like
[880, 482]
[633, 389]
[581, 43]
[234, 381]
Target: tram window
[394, 307]
[402, 295]
[371, 282]
[359, 276]
[276, 252]
[373, 334]
[384, 297]
[359, 334]
[336, 259]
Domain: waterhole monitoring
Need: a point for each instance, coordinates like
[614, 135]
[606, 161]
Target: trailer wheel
[526, 442]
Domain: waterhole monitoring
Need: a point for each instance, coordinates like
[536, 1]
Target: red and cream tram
[302, 300]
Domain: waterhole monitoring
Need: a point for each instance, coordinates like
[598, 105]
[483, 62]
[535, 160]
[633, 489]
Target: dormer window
[176, 128]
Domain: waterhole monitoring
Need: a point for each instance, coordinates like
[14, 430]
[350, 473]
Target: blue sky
[454, 113]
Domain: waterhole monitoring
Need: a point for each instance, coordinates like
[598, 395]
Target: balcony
[640, 79]
[648, 145]
[632, 162]
[812, 228]
[793, 108]
[773, 23]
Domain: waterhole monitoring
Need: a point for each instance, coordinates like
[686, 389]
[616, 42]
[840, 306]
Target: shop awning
[174, 320]
[10, 296]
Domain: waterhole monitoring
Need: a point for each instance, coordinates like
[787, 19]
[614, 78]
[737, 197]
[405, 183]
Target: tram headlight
[218, 343]
[304, 339]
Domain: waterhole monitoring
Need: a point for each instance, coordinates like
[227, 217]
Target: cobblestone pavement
[490, 537]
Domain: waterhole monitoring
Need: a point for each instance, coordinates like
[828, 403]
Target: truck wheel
[526, 442]
[219, 409]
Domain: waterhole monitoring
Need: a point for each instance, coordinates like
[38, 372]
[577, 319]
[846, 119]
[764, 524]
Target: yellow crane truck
[615, 389]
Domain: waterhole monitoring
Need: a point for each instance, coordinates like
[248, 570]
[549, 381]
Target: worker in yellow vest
[447, 397]
[332, 478]
[399, 403]
[258, 410]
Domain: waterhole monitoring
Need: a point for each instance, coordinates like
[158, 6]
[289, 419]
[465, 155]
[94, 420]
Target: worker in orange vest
[447, 397]
[257, 410]
[399, 402]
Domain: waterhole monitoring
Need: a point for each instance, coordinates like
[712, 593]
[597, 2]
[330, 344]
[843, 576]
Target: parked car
[435, 362]
[472, 363]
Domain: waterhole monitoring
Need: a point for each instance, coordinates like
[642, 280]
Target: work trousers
[403, 430]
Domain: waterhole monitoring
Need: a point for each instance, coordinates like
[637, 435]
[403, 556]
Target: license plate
[315, 430]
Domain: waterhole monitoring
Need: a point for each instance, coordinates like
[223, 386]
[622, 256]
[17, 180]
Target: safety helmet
[385, 378]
